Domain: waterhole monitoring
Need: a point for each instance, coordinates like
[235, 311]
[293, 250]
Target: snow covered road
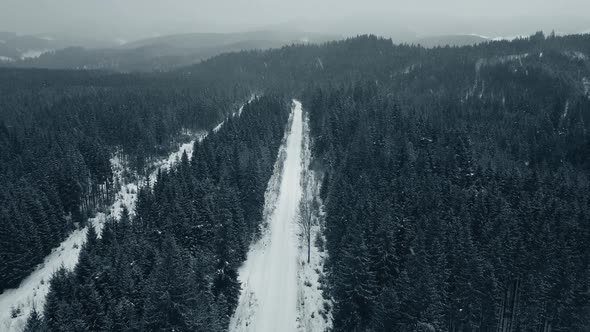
[269, 276]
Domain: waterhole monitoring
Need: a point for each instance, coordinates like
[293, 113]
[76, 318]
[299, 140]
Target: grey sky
[130, 19]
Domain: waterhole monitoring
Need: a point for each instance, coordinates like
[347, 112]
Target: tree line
[174, 265]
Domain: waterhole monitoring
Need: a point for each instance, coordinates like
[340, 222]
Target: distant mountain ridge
[200, 40]
[163, 52]
[16, 47]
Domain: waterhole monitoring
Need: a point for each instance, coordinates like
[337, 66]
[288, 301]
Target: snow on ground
[174, 157]
[575, 55]
[586, 85]
[32, 54]
[268, 301]
[565, 109]
[216, 129]
[33, 289]
[127, 195]
[499, 38]
[314, 310]
[236, 113]
[509, 38]
[251, 99]
[274, 276]
[319, 63]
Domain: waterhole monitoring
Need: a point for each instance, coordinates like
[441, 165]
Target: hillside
[432, 189]
[158, 53]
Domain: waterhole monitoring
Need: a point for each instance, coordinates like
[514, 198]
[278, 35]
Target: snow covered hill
[274, 273]
[17, 304]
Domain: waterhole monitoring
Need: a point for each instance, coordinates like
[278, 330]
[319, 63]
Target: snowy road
[269, 276]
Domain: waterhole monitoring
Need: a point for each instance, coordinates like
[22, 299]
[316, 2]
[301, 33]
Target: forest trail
[16, 304]
[268, 301]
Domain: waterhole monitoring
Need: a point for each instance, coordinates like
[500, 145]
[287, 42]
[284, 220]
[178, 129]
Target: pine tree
[93, 311]
[356, 286]
[169, 294]
[225, 281]
[35, 323]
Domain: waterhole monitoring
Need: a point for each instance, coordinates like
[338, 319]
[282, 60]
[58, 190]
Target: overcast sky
[130, 19]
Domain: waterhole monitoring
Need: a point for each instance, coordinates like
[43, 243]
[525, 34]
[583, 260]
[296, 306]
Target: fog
[134, 19]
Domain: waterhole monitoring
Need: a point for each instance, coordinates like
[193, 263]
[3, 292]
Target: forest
[57, 133]
[173, 267]
[449, 231]
[455, 183]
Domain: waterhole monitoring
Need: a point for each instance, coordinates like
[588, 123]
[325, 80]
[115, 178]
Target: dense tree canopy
[174, 266]
[455, 182]
[58, 131]
[443, 223]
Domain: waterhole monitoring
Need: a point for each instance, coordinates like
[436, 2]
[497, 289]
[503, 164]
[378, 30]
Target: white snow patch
[216, 129]
[33, 289]
[32, 54]
[319, 63]
[268, 301]
[575, 55]
[313, 314]
[586, 85]
[509, 38]
[409, 69]
[565, 109]
[483, 88]
[174, 157]
[499, 38]
[6, 59]
[236, 113]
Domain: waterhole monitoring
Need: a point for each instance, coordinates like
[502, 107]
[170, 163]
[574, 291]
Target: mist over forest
[294, 166]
